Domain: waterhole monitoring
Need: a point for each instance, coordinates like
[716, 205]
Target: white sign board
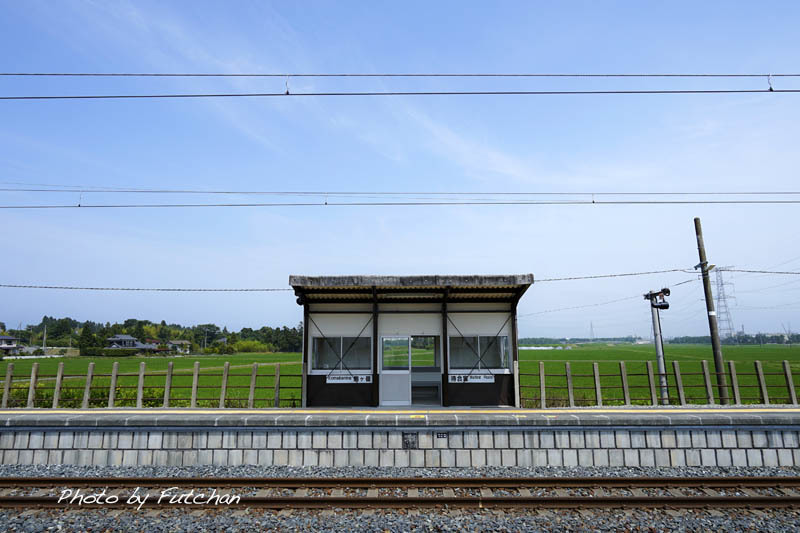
[470, 378]
[347, 379]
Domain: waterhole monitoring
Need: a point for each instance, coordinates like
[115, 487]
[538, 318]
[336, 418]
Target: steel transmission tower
[726, 329]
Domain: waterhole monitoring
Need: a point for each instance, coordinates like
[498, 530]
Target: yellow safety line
[417, 412]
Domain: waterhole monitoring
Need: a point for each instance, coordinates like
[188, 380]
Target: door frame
[407, 371]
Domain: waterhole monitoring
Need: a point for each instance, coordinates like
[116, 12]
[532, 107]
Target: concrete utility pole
[657, 302]
[719, 368]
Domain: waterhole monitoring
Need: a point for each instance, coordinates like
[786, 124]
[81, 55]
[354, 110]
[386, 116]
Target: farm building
[410, 340]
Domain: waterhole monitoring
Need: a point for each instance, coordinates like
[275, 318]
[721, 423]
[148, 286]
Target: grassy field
[580, 358]
[689, 357]
[209, 380]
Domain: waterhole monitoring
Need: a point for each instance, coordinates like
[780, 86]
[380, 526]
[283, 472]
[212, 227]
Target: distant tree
[86, 340]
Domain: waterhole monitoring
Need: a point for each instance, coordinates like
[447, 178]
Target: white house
[9, 345]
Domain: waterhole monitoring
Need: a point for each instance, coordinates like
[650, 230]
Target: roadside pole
[719, 368]
[657, 302]
[662, 367]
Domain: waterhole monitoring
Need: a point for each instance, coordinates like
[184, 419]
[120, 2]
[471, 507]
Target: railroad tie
[372, 492]
[639, 493]
[749, 492]
[301, 493]
[486, 492]
[337, 493]
[412, 492]
[448, 493]
[524, 492]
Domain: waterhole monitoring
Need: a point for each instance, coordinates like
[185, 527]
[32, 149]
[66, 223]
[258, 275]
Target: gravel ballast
[399, 520]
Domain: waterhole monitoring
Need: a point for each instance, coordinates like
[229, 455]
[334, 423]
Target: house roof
[432, 288]
[179, 342]
[122, 337]
[8, 338]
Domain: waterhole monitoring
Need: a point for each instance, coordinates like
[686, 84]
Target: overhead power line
[137, 289]
[405, 204]
[778, 272]
[394, 93]
[626, 274]
[637, 297]
[395, 75]
[130, 190]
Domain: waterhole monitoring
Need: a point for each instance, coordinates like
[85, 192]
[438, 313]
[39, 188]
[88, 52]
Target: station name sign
[348, 380]
[470, 378]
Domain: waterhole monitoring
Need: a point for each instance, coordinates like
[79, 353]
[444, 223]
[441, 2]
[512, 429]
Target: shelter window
[425, 353]
[357, 353]
[327, 353]
[464, 353]
[494, 353]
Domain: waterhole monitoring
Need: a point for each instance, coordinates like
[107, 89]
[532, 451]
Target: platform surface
[378, 417]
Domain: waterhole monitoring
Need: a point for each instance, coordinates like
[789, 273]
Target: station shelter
[410, 340]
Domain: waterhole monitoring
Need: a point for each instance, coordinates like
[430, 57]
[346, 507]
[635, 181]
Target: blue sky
[438, 144]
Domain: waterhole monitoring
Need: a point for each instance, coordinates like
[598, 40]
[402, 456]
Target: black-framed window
[326, 354]
[494, 353]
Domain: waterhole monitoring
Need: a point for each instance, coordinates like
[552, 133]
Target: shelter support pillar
[375, 340]
[445, 351]
[304, 384]
[515, 355]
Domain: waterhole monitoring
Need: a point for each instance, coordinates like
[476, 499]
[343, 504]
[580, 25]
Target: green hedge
[109, 352]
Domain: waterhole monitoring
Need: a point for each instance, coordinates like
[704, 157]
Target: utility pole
[719, 365]
[44, 339]
[657, 302]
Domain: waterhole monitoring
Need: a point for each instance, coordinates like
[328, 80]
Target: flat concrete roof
[425, 281]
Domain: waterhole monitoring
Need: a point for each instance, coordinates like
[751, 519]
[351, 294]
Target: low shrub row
[94, 351]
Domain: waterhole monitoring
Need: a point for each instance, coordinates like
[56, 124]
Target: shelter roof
[429, 288]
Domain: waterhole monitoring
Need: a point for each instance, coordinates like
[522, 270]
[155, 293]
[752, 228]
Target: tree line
[209, 337]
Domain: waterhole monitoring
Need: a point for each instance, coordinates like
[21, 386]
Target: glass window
[395, 353]
[464, 352]
[357, 353]
[425, 353]
[325, 353]
[494, 353]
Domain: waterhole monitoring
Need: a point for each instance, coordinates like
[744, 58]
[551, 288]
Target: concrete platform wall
[402, 447]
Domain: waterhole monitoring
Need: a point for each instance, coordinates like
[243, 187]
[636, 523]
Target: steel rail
[351, 502]
[407, 482]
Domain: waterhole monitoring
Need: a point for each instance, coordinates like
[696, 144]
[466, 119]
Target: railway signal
[657, 302]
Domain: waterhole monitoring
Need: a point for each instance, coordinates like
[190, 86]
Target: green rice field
[580, 357]
[635, 356]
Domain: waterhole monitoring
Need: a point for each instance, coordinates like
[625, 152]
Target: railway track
[411, 493]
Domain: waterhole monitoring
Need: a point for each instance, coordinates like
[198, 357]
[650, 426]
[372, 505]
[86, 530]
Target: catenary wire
[395, 75]
[776, 272]
[395, 93]
[141, 289]
[404, 204]
[125, 190]
[638, 296]
[70, 287]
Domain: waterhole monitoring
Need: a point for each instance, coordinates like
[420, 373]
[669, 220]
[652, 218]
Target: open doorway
[426, 370]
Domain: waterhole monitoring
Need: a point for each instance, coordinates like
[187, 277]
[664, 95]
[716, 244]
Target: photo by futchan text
[139, 498]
